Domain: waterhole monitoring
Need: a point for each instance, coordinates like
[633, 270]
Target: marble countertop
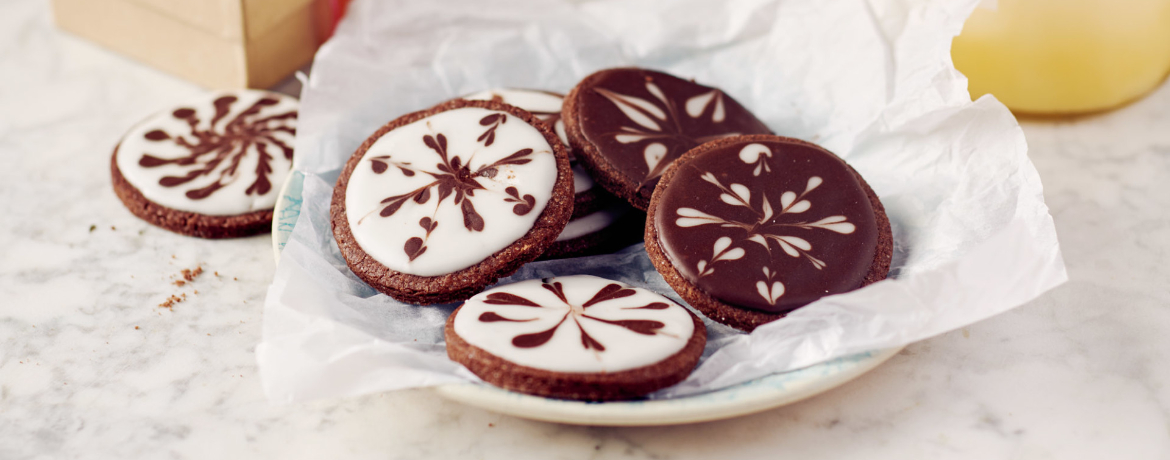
[91, 367]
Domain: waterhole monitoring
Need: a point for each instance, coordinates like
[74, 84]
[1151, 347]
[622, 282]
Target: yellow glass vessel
[1052, 57]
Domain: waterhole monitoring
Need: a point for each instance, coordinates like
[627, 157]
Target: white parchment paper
[870, 80]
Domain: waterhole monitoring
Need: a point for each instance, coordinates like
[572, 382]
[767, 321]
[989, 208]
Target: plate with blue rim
[749, 397]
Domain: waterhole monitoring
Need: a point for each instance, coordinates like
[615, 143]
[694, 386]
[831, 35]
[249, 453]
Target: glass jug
[1053, 57]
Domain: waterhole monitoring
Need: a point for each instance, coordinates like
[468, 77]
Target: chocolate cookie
[211, 168]
[547, 108]
[438, 204]
[599, 232]
[749, 228]
[628, 125]
[575, 337]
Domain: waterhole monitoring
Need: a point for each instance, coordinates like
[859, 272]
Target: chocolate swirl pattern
[226, 154]
[547, 107]
[448, 191]
[654, 124]
[575, 324]
[768, 226]
[217, 150]
[453, 178]
[577, 313]
[634, 123]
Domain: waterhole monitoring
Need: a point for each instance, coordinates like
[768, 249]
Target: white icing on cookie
[575, 324]
[446, 192]
[546, 107]
[224, 154]
[540, 103]
[592, 222]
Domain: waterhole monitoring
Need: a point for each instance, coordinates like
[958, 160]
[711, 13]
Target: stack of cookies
[744, 225]
[437, 205]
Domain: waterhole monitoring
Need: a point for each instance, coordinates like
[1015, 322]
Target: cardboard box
[215, 43]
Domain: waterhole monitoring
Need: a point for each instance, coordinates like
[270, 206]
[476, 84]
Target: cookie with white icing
[747, 229]
[601, 222]
[438, 204]
[546, 106]
[211, 167]
[627, 125]
[575, 337]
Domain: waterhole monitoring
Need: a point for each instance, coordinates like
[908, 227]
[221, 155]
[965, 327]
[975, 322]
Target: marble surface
[91, 367]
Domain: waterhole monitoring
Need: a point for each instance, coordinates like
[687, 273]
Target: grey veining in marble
[91, 367]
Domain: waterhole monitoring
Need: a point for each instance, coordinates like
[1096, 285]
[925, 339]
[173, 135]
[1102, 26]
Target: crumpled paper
[870, 80]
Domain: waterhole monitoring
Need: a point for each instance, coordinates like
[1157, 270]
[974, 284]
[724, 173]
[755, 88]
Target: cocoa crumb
[180, 283]
[136, 328]
[171, 301]
[490, 425]
[92, 228]
[196, 292]
[113, 227]
[190, 275]
[216, 273]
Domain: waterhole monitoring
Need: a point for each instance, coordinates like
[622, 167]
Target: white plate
[288, 208]
[758, 395]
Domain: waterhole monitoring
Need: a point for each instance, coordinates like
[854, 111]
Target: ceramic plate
[758, 395]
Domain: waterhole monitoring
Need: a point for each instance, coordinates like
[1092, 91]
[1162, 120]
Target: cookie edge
[186, 222]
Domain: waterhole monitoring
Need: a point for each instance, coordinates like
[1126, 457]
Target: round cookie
[749, 228]
[628, 125]
[546, 106]
[599, 232]
[575, 337]
[438, 204]
[210, 168]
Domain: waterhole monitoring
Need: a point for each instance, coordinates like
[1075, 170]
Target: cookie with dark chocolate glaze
[438, 204]
[628, 125]
[748, 228]
[575, 337]
[210, 168]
